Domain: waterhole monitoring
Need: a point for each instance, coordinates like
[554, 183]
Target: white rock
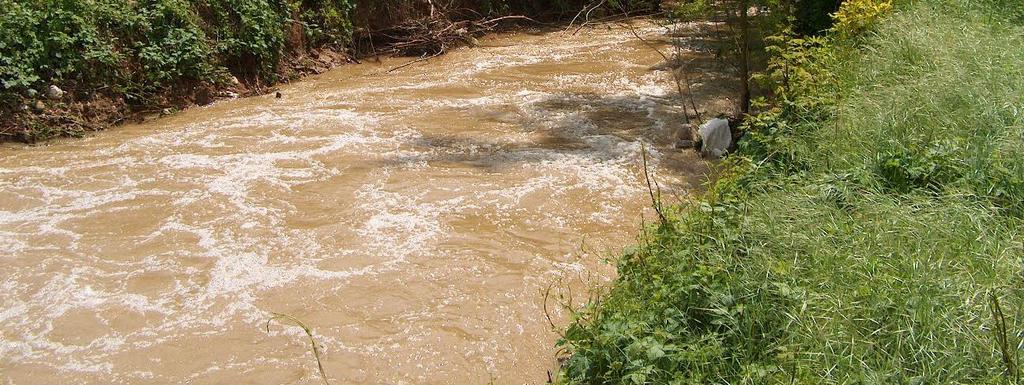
[54, 92]
[717, 137]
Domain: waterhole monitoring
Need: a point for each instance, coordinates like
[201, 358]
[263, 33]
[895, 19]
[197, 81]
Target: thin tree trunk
[745, 55]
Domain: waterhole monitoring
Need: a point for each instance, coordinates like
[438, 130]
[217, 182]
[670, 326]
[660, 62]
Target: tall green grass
[864, 234]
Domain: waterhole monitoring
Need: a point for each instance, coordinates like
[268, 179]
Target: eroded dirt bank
[411, 219]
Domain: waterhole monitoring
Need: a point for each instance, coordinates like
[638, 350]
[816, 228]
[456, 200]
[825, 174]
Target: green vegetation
[868, 231]
[114, 57]
[145, 46]
[146, 54]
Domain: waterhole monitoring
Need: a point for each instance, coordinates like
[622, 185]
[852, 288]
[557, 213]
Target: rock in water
[716, 136]
[683, 136]
[54, 92]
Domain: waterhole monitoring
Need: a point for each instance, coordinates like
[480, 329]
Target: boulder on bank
[54, 92]
[716, 137]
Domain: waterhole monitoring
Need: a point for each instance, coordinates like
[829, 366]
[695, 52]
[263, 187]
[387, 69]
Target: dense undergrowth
[868, 231]
[112, 57]
[145, 54]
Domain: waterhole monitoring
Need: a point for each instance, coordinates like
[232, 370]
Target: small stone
[54, 92]
[39, 106]
[165, 112]
[277, 95]
[234, 81]
[31, 92]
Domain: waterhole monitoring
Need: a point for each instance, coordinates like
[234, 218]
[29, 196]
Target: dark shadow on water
[597, 126]
[587, 125]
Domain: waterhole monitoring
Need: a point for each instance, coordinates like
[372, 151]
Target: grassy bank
[867, 231]
[110, 60]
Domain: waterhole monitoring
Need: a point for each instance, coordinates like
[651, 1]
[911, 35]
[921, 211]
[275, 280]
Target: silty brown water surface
[412, 218]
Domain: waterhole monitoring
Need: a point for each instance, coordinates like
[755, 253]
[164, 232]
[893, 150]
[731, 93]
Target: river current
[412, 218]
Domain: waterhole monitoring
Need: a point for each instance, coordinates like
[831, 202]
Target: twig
[650, 189]
[671, 63]
[309, 333]
[547, 293]
[422, 58]
[1003, 341]
[573, 21]
[587, 19]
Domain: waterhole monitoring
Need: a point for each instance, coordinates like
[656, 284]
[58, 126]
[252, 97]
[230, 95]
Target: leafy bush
[175, 46]
[326, 21]
[148, 46]
[21, 53]
[249, 34]
[857, 16]
[56, 39]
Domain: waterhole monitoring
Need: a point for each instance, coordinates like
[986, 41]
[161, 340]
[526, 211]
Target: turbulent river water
[412, 219]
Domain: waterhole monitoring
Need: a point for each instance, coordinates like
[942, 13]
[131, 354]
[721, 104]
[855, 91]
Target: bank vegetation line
[866, 230]
[83, 66]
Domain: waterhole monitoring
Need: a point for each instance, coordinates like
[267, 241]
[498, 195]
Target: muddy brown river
[412, 219]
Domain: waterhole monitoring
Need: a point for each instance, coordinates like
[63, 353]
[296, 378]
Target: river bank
[868, 230]
[68, 74]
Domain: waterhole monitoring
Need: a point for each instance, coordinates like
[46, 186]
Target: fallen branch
[432, 35]
[411, 62]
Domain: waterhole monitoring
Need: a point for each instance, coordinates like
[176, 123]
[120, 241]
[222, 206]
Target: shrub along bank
[112, 57]
[867, 231]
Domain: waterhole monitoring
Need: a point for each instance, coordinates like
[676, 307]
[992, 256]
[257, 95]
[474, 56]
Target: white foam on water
[241, 268]
[402, 224]
[62, 293]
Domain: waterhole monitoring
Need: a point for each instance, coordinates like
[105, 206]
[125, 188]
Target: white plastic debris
[716, 136]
